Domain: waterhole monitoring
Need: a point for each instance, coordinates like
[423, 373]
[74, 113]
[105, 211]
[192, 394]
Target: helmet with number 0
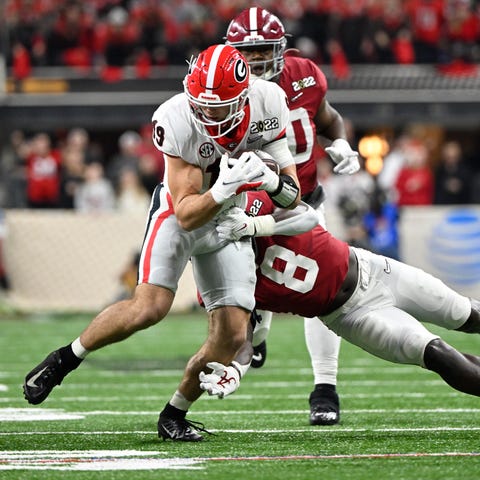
[217, 85]
[256, 27]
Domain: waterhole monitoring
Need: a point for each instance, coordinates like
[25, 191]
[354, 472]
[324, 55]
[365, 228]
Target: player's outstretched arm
[345, 158]
[331, 126]
[225, 380]
[235, 224]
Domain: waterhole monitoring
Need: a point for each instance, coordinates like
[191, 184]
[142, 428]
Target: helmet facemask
[256, 29]
[270, 68]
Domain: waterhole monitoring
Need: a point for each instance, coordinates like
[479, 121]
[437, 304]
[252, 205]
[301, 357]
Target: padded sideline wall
[59, 260]
[62, 260]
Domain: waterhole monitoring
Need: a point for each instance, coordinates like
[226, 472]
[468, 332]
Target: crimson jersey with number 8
[292, 274]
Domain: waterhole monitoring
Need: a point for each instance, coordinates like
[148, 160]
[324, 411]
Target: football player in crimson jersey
[260, 37]
[372, 301]
[200, 132]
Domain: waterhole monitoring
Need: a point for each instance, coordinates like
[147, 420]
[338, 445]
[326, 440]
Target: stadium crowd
[116, 33]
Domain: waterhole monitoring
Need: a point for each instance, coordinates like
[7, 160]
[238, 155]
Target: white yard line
[282, 412]
[347, 456]
[314, 430]
[135, 460]
[25, 414]
[239, 396]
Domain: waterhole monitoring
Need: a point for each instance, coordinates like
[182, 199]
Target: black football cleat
[259, 355]
[41, 380]
[324, 407]
[180, 429]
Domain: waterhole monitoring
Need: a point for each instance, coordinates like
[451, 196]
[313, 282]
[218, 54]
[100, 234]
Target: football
[269, 161]
[264, 156]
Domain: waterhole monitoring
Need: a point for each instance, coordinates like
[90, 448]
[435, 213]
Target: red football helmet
[257, 27]
[218, 77]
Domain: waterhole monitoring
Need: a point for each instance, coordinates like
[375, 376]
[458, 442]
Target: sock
[69, 360]
[325, 387]
[172, 412]
[177, 407]
[78, 349]
[323, 347]
[180, 402]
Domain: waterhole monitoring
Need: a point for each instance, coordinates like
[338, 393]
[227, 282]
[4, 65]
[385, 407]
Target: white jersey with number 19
[266, 119]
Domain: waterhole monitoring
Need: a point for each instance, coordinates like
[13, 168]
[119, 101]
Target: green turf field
[398, 422]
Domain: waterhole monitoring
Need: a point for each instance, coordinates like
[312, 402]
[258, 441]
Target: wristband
[241, 369]
[264, 225]
[286, 193]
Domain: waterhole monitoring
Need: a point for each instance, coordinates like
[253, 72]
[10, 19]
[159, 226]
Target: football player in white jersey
[260, 37]
[201, 133]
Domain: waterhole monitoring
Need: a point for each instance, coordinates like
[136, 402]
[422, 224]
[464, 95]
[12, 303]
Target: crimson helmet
[218, 77]
[257, 27]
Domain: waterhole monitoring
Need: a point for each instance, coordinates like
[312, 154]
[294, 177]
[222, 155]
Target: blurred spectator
[79, 139]
[117, 37]
[338, 59]
[402, 48]
[70, 41]
[426, 22]
[151, 162]
[415, 182]
[393, 163]
[13, 183]
[150, 176]
[192, 27]
[316, 24]
[21, 63]
[137, 152]
[129, 145]
[381, 224]
[25, 29]
[132, 196]
[72, 175]
[96, 194]
[353, 31]
[462, 30]
[43, 173]
[150, 17]
[391, 34]
[351, 194]
[452, 176]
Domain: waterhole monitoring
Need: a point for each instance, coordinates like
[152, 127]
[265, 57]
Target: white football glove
[234, 224]
[345, 158]
[221, 382]
[267, 179]
[235, 176]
